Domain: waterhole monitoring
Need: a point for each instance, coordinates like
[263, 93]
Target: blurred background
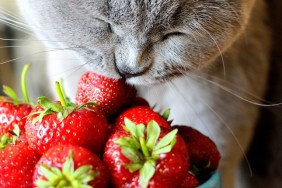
[18, 47]
[6, 72]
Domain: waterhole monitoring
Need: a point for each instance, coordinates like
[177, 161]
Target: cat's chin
[144, 81]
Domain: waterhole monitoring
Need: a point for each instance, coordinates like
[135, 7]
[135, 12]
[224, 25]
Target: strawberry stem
[61, 82]
[60, 94]
[144, 148]
[23, 82]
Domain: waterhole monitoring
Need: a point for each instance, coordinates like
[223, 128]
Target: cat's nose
[126, 72]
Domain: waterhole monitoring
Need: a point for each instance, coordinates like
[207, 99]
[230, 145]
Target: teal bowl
[213, 182]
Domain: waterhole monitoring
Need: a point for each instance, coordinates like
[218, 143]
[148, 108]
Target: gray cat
[207, 60]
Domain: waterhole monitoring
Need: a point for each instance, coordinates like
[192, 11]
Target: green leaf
[43, 183]
[133, 155]
[52, 107]
[130, 127]
[67, 110]
[41, 115]
[12, 94]
[144, 148]
[16, 133]
[91, 174]
[165, 149]
[166, 114]
[68, 166]
[128, 142]
[166, 140]
[48, 104]
[86, 105]
[85, 173]
[63, 183]
[48, 173]
[133, 167]
[56, 171]
[146, 173]
[153, 133]
[140, 130]
[5, 141]
[17, 130]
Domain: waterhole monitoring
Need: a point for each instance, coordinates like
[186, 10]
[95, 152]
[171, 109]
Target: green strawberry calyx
[10, 138]
[13, 98]
[166, 114]
[143, 148]
[67, 176]
[63, 109]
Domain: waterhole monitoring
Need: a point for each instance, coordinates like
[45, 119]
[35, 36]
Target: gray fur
[208, 60]
[132, 33]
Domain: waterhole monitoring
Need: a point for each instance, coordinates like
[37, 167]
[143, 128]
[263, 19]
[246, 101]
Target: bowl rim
[213, 182]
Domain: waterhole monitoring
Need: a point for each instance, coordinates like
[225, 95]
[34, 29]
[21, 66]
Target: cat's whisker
[234, 93]
[15, 46]
[71, 71]
[36, 53]
[10, 17]
[36, 40]
[197, 42]
[177, 92]
[230, 130]
[15, 26]
[15, 22]
[215, 42]
[10, 14]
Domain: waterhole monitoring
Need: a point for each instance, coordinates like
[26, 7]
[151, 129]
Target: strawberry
[12, 114]
[17, 161]
[146, 156]
[204, 155]
[12, 110]
[139, 114]
[190, 181]
[70, 166]
[110, 94]
[139, 101]
[51, 123]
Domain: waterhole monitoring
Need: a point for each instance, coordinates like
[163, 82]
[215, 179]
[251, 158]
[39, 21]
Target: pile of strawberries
[108, 138]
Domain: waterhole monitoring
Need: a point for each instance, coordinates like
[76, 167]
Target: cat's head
[145, 41]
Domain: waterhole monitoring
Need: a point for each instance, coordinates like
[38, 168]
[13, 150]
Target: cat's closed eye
[177, 33]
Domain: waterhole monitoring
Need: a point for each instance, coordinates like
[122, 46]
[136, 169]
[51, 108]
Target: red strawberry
[110, 94]
[190, 181]
[70, 166]
[17, 162]
[51, 123]
[140, 114]
[139, 101]
[12, 110]
[12, 114]
[204, 155]
[146, 156]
